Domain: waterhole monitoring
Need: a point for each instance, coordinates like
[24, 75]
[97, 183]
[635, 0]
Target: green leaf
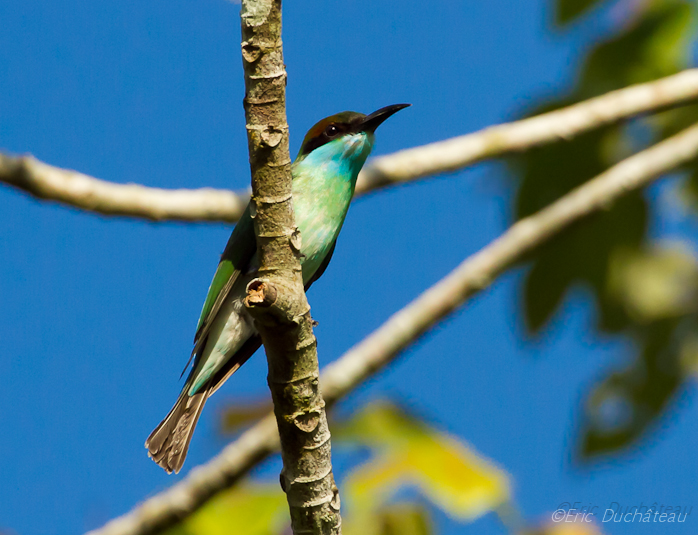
[545, 290]
[567, 11]
[447, 471]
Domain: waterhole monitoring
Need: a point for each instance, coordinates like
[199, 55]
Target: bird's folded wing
[235, 260]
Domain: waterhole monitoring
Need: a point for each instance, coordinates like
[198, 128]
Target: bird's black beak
[373, 121]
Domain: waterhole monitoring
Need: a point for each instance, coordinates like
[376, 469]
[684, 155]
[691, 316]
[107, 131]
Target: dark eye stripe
[318, 135]
[332, 131]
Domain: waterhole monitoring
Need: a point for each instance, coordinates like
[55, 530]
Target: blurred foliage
[642, 291]
[563, 528]
[659, 291]
[670, 123]
[237, 415]
[623, 405]
[403, 519]
[405, 453]
[249, 508]
[567, 11]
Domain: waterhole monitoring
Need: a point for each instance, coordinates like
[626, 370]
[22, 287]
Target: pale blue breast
[323, 185]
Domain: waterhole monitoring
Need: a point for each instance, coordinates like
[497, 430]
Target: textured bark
[277, 300]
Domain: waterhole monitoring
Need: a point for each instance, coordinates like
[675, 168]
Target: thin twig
[407, 325]
[87, 193]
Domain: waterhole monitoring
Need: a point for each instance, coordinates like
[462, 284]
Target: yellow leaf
[447, 471]
[252, 509]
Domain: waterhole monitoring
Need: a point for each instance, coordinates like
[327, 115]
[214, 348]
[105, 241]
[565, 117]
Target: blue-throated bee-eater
[324, 177]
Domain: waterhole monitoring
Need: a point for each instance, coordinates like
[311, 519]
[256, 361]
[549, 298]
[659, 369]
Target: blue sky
[97, 314]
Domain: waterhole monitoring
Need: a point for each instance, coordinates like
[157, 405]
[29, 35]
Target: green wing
[235, 260]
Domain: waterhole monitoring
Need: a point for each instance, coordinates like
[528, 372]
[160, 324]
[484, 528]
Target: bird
[324, 178]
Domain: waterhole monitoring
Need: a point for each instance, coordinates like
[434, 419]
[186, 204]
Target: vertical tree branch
[277, 299]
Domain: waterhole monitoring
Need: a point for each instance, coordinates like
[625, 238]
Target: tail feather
[169, 442]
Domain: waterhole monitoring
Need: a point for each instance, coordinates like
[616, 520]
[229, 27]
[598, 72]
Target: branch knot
[307, 421]
[260, 293]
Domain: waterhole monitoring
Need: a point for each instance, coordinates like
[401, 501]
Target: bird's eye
[331, 130]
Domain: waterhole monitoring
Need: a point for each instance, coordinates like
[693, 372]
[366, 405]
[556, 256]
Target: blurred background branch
[110, 198]
[208, 205]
